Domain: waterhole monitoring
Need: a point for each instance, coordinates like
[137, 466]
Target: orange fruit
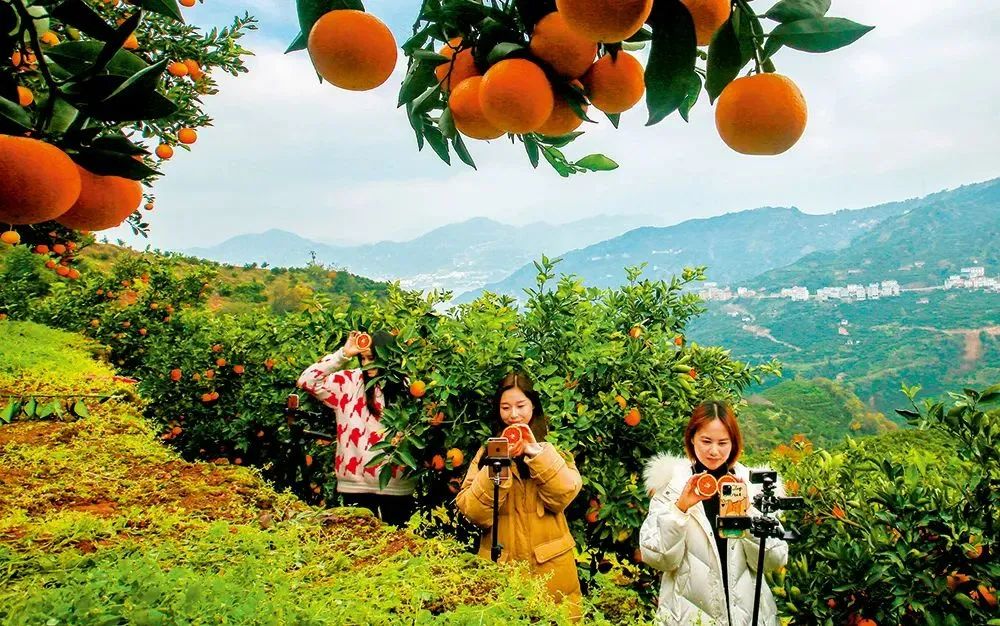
[467, 111]
[708, 16]
[632, 417]
[592, 516]
[763, 114]
[210, 374]
[635, 332]
[59, 248]
[238, 369]
[39, 183]
[606, 21]
[50, 264]
[615, 85]
[418, 388]
[516, 96]
[41, 249]
[177, 69]
[679, 340]
[352, 49]
[562, 48]
[95, 323]
[693, 373]
[461, 64]
[164, 151]
[621, 402]
[187, 136]
[220, 362]
[456, 457]
[104, 202]
[10, 237]
[438, 419]
[989, 596]
[512, 433]
[194, 70]
[131, 43]
[188, 3]
[49, 38]
[437, 462]
[175, 374]
[563, 119]
[217, 347]
[706, 486]
[62, 270]
[24, 96]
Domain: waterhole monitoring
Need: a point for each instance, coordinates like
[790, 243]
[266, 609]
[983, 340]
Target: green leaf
[133, 99]
[384, 476]
[112, 163]
[727, 55]
[597, 163]
[430, 55]
[818, 34]
[531, 147]
[694, 90]
[417, 41]
[671, 59]
[462, 151]
[446, 123]
[82, 16]
[559, 142]
[614, 118]
[438, 143]
[31, 407]
[45, 411]
[167, 8]
[299, 43]
[503, 50]
[80, 409]
[77, 56]
[427, 100]
[407, 458]
[114, 43]
[793, 10]
[311, 10]
[13, 118]
[419, 79]
[533, 10]
[9, 412]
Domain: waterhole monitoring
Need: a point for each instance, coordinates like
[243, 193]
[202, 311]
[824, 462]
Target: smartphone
[498, 448]
[733, 502]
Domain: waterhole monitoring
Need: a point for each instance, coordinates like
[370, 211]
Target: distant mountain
[458, 257]
[924, 243]
[735, 246]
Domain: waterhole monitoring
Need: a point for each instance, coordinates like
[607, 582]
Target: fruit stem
[28, 25]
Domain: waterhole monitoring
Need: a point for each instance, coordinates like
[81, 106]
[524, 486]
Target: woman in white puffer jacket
[678, 536]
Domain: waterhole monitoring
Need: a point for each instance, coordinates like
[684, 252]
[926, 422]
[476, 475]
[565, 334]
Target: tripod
[496, 465]
[763, 526]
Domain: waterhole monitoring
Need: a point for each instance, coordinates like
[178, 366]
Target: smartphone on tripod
[498, 449]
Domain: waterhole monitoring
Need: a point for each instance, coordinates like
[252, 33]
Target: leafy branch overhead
[533, 70]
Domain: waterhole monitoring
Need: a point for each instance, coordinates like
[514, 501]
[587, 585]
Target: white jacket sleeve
[662, 538]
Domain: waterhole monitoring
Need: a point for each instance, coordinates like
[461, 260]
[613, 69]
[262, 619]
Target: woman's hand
[351, 345]
[689, 497]
[529, 446]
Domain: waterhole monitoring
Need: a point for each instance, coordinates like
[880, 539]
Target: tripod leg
[760, 580]
[495, 548]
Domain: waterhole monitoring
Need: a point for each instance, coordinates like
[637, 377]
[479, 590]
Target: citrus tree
[537, 70]
[93, 95]
[900, 529]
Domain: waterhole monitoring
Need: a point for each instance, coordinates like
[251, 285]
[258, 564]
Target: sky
[908, 110]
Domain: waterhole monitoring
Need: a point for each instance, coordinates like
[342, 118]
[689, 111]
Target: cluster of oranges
[547, 88]
[42, 183]
[60, 258]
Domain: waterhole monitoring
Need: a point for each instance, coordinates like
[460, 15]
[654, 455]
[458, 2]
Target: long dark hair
[519, 380]
[389, 391]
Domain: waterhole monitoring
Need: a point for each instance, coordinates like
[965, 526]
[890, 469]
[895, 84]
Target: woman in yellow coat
[541, 484]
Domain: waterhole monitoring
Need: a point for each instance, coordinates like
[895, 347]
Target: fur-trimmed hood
[664, 470]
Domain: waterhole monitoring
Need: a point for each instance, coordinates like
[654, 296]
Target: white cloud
[907, 110]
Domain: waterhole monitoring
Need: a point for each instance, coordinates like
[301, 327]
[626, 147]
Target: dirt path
[765, 333]
[973, 341]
